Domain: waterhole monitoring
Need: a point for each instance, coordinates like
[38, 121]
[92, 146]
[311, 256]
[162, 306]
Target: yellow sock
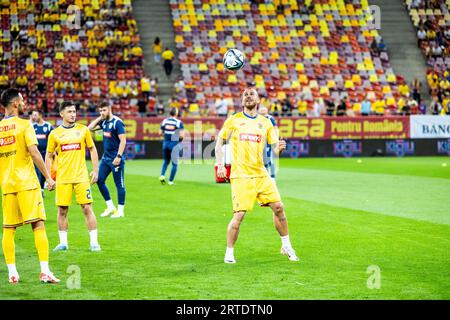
[41, 242]
[8, 245]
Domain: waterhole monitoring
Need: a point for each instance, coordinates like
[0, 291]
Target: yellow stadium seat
[202, 67]
[331, 84]
[386, 89]
[232, 78]
[349, 84]
[198, 50]
[373, 78]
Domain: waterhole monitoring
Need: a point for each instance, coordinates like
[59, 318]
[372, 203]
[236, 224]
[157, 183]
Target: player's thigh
[267, 191]
[31, 205]
[83, 193]
[12, 217]
[64, 194]
[104, 170]
[243, 194]
[167, 152]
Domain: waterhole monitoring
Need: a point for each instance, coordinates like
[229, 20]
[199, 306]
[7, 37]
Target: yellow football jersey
[247, 137]
[17, 171]
[70, 144]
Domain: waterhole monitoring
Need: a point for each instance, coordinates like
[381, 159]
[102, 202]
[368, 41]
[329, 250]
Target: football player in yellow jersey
[22, 201]
[247, 132]
[69, 141]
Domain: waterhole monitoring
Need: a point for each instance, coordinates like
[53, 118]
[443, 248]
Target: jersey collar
[249, 116]
[7, 117]
[73, 126]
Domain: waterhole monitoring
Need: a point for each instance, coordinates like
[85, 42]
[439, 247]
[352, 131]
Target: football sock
[230, 252]
[110, 204]
[120, 209]
[12, 269]
[285, 242]
[41, 243]
[93, 237]
[44, 267]
[63, 237]
[8, 245]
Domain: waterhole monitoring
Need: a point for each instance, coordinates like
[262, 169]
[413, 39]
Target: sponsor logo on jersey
[250, 137]
[41, 136]
[70, 147]
[107, 134]
[8, 127]
[6, 141]
[170, 127]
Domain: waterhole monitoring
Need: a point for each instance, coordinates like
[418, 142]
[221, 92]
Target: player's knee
[86, 208]
[239, 216]
[278, 208]
[62, 211]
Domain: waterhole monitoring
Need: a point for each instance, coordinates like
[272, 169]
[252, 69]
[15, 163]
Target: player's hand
[281, 145]
[116, 161]
[50, 184]
[221, 171]
[94, 177]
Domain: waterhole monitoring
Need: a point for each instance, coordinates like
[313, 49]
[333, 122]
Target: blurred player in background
[42, 129]
[248, 133]
[172, 129]
[269, 161]
[21, 195]
[70, 140]
[114, 143]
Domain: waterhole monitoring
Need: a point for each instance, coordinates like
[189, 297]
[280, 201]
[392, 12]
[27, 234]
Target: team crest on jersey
[110, 125]
[45, 129]
[78, 133]
[260, 125]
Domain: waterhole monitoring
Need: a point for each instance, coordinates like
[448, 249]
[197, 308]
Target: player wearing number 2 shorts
[69, 141]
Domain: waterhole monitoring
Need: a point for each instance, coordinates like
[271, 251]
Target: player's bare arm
[122, 145]
[94, 158]
[279, 146]
[221, 170]
[95, 125]
[39, 162]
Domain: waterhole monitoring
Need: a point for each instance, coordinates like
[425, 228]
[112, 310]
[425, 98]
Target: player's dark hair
[173, 111]
[66, 104]
[38, 111]
[104, 105]
[9, 95]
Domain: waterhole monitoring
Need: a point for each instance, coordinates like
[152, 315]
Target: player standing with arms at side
[248, 132]
[269, 162]
[42, 129]
[70, 140]
[114, 143]
[21, 196]
[172, 129]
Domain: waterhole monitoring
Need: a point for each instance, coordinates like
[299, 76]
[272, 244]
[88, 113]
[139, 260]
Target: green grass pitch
[346, 218]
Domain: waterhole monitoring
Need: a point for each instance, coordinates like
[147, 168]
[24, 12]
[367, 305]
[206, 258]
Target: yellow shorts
[82, 190]
[244, 191]
[22, 207]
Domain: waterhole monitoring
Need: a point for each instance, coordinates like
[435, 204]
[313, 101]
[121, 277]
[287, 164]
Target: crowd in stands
[86, 51]
[306, 58]
[432, 21]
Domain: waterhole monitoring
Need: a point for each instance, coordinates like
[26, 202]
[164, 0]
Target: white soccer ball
[233, 59]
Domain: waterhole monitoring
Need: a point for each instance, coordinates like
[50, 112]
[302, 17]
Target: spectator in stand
[286, 108]
[421, 36]
[435, 106]
[366, 107]
[221, 106]
[446, 104]
[330, 108]
[160, 108]
[415, 86]
[341, 109]
[167, 57]
[157, 49]
[318, 108]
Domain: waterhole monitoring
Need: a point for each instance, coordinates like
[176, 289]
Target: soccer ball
[233, 59]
